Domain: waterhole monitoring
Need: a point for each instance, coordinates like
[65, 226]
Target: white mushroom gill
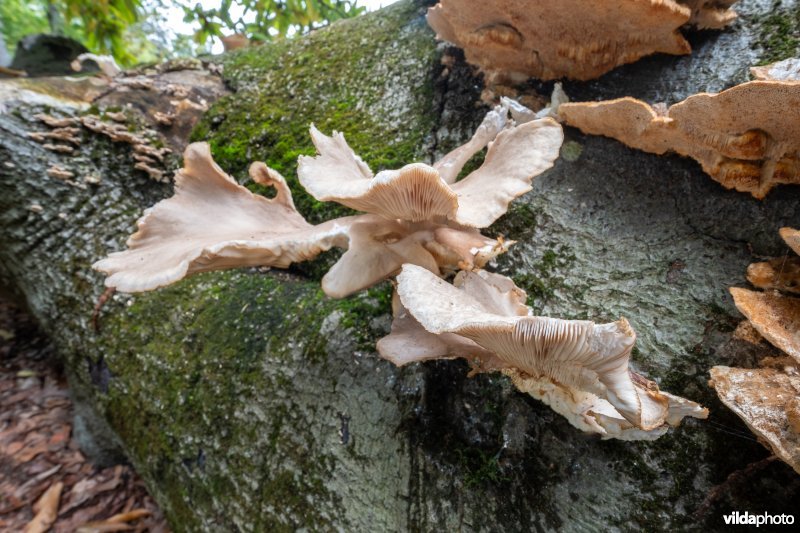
[540, 353]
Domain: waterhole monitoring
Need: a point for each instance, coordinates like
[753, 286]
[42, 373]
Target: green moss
[779, 33]
[284, 87]
[545, 276]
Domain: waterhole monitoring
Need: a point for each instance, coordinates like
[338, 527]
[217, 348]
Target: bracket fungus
[576, 366]
[768, 398]
[574, 39]
[747, 138]
[419, 214]
[774, 315]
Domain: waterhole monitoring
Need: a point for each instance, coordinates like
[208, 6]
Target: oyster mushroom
[213, 223]
[578, 367]
[747, 138]
[550, 39]
[414, 214]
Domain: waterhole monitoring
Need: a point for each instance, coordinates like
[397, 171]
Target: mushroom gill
[579, 367]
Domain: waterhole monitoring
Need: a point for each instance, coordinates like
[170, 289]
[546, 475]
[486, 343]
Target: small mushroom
[550, 39]
[747, 138]
[579, 366]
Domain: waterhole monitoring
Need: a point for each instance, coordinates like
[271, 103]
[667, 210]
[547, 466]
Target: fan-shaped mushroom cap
[418, 192]
[213, 223]
[747, 137]
[515, 157]
[409, 342]
[710, 14]
[775, 317]
[767, 400]
[551, 39]
[573, 353]
[415, 192]
[786, 70]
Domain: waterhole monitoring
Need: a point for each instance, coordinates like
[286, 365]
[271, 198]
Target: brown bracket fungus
[551, 39]
[747, 138]
[418, 214]
[576, 366]
[768, 398]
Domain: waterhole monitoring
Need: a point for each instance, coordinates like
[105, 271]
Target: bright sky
[176, 23]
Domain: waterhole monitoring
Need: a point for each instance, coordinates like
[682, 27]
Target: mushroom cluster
[768, 398]
[578, 39]
[425, 221]
[419, 214]
[747, 138]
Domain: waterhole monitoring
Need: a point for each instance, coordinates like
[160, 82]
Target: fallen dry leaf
[46, 510]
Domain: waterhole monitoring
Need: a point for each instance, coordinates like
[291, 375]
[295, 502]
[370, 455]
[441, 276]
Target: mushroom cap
[766, 400]
[775, 317]
[747, 137]
[574, 353]
[417, 192]
[213, 223]
[551, 39]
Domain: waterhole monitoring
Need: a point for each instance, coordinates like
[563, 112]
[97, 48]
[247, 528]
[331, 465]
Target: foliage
[135, 31]
[262, 19]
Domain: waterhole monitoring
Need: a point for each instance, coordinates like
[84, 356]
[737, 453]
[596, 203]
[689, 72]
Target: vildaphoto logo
[764, 519]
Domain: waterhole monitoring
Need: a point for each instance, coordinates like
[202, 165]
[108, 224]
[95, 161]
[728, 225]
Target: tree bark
[250, 401]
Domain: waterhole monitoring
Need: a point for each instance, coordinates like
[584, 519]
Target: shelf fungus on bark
[747, 138]
[419, 214]
[768, 401]
[550, 39]
[577, 367]
[774, 315]
[768, 398]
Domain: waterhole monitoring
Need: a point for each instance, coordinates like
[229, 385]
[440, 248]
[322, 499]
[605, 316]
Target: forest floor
[46, 483]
